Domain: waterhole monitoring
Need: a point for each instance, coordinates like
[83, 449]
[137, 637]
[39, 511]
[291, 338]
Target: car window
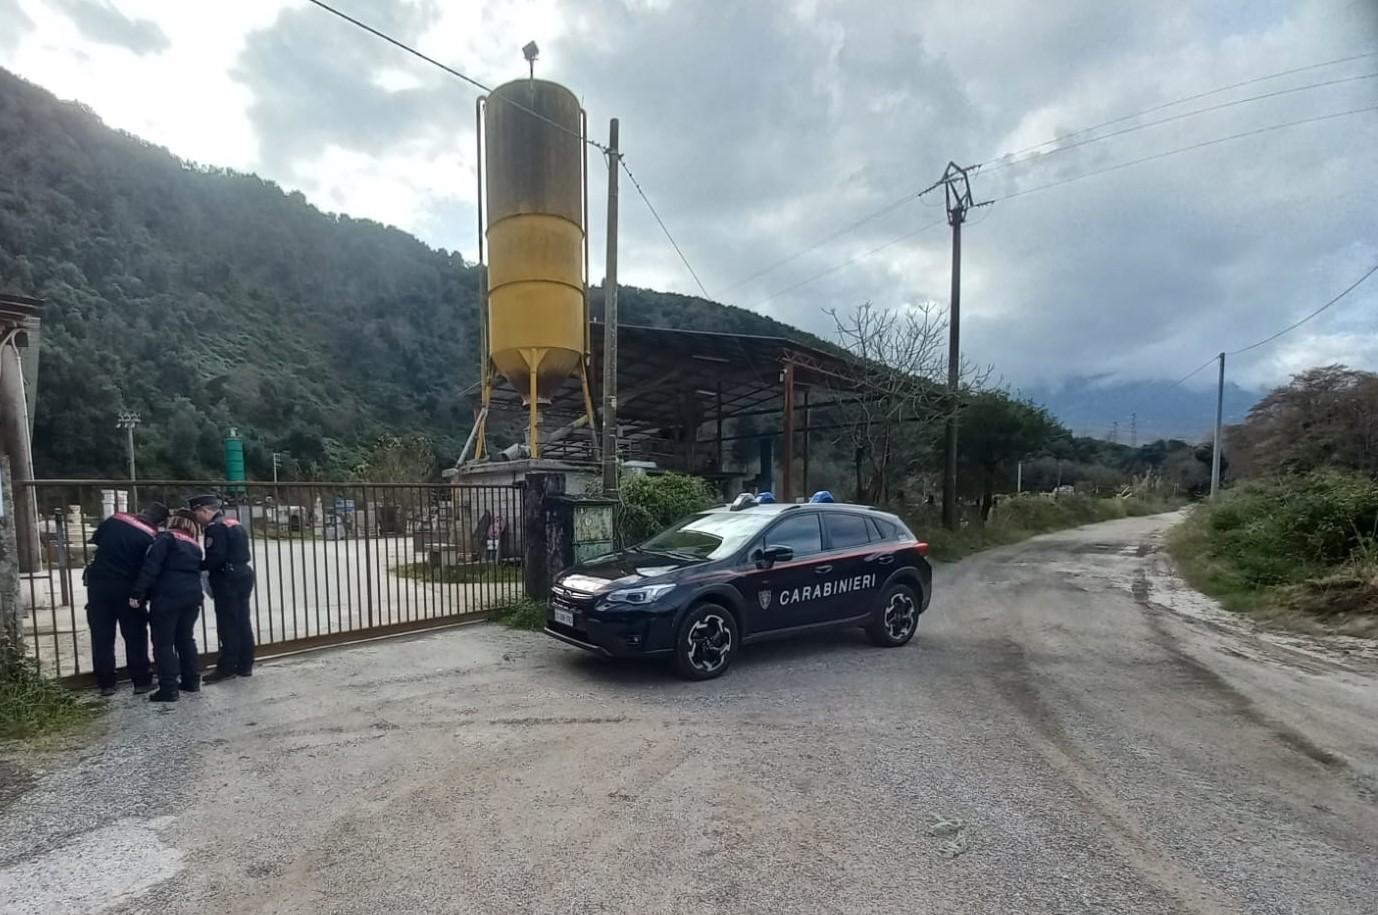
[800, 533]
[711, 535]
[880, 531]
[846, 530]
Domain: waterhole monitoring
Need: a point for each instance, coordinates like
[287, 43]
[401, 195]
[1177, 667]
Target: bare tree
[1324, 417]
[894, 399]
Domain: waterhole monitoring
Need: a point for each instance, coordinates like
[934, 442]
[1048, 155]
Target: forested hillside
[206, 299]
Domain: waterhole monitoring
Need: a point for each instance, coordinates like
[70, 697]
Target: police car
[723, 578]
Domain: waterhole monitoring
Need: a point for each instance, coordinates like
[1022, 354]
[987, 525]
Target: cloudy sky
[759, 128]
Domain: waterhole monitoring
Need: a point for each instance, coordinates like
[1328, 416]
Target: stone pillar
[538, 565]
[10, 632]
[14, 441]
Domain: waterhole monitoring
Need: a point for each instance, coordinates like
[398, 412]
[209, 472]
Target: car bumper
[577, 643]
[632, 636]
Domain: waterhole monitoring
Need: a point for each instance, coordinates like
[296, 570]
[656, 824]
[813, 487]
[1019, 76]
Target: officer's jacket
[227, 546]
[121, 542]
[171, 570]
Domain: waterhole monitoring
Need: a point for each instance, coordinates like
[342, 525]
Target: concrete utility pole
[277, 462]
[610, 322]
[1219, 417]
[958, 189]
[127, 420]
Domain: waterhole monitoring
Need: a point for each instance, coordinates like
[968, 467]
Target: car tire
[706, 642]
[897, 617]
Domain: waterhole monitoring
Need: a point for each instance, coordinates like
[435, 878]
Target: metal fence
[334, 561]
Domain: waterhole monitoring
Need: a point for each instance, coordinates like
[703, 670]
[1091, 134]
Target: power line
[851, 260]
[453, 72]
[876, 214]
[1006, 163]
[1075, 178]
[1185, 99]
[1291, 327]
[650, 206]
[1183, 149]
[1210, 361]
[1286, 330]
[987, 164]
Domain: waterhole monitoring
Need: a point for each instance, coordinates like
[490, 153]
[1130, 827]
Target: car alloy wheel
[709, 643]
[900, 616]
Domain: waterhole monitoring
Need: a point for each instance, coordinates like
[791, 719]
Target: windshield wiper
[678, 554]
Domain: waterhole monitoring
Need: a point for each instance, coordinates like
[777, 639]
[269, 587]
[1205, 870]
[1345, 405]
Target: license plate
[564, 617]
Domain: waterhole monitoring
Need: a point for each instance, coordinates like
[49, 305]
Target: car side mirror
[773, 554]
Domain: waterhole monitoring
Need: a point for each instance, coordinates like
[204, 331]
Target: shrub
[31, 704]
[523, 613]
[652, 503]
[1284, 531]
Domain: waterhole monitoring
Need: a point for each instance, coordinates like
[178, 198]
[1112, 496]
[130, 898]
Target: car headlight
[644, 595]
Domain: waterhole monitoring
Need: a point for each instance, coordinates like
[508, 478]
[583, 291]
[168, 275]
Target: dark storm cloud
[99, 21]
[761, 127]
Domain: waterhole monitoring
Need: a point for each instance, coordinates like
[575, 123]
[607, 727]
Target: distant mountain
[1156, 409]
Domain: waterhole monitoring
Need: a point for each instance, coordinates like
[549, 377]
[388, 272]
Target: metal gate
[334, 562]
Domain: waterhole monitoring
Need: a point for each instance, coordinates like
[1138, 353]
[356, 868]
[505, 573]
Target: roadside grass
[523, 613]
[31, 705]
[462, 573]
[1021, 517]
[1299, 554]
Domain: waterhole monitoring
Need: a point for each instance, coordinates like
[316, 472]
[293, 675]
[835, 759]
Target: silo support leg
[588, 409]
[533, 361]
[482, 426]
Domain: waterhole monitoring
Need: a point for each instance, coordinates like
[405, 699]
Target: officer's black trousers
[234, 620]
[105, 609]
[174, 641]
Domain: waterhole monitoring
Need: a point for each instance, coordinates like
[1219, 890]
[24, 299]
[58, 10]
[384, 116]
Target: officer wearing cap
[121, 542]
[232, 582]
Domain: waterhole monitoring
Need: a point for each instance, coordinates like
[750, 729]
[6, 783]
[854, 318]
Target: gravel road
[1072, 731]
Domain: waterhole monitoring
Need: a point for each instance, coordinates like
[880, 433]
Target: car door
[851, 561]
[780, 597]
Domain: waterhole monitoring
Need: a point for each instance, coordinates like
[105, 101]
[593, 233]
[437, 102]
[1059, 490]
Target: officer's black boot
[163, 695]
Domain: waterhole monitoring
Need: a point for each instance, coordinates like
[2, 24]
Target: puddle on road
[93, 872]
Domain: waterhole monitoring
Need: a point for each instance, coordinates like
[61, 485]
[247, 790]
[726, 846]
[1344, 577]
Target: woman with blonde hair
[171, 582]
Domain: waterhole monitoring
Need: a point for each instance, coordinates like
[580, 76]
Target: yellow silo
[537, 321]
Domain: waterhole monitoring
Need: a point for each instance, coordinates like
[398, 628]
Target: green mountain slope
[206, 299]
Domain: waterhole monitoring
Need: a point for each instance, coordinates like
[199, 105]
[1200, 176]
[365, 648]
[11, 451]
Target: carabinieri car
[726, 577]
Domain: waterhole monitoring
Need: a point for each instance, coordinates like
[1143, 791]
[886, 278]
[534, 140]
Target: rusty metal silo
[535, 227]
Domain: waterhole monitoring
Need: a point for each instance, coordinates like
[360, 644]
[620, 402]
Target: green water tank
[234, 460]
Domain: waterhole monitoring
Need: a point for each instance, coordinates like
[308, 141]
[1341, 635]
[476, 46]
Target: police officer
[121, 542]
[170, 581]
[232, 582]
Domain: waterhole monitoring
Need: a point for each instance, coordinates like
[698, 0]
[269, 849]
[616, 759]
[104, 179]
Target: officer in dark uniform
[121, 542]
[232, 583]
[170, 581]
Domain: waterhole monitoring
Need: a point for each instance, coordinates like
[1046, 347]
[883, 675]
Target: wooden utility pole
[958, 189]
[610, 322]
[1219, 418]
[786, 493]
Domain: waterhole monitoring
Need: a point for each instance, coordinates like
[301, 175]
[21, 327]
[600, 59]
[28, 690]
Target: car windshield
[712, 535]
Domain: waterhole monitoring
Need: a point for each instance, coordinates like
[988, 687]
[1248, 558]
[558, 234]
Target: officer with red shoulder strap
[232, 582]
[121, 542]
[170, 581]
